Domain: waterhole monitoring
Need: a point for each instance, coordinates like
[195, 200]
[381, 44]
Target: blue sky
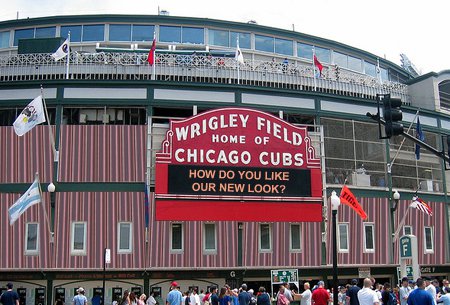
[384, 27]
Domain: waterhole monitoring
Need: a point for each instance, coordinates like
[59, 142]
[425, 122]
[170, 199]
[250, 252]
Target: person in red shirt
[320, 296]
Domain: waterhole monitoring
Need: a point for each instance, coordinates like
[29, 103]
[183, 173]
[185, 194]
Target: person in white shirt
[429, 287]
[404, 291]
[305, 296]
[195, 299]
[367, 296]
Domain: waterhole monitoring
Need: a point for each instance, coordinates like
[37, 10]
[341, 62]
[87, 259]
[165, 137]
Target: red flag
[349, 199]
[318, 64]
[151, 53]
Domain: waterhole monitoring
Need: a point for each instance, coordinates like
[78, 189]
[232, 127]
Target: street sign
[284, 276]
[364, 272]
[405, 247]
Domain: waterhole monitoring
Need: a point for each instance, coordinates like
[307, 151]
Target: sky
[386, 28]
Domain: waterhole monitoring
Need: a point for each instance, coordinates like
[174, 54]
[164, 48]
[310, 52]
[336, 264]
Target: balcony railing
[198, 69]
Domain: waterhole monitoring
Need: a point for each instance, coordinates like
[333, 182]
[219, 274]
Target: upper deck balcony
[193, 68]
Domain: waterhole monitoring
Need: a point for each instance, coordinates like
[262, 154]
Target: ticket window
[39, 296]
[97, 298]
[60, 294]
[117, 294]
[137, 291]
[22, 292]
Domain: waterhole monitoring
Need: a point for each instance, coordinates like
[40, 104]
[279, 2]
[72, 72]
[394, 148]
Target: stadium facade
[109, 117]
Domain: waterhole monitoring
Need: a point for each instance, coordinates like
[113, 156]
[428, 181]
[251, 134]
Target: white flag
[31, 116]
[31, 197]
[239, 57]
[62, 51]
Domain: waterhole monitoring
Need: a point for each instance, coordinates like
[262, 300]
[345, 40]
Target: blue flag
[31, 197]
[420, 136]
[146, 206]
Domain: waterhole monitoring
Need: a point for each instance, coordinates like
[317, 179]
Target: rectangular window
[176, 240]
[75, 32]
[428, 240]
[120, 32]
[284, 46]
[170, 34]
[124, 237]
[324, 55]
[370, 69]
[4, 39]
[407, 230]
[340, 59]
[304, 50]
[263, 43]
[31, 238]
[295, 237]
[218, 38]
[209, 237]
[244, 40]
[22, 34]
[47, 32]
[193, 35]
[369, 238]
[355, 64]
[93, 32]
[78, 238]
[343, 237]
[143, 32]
[265, 237]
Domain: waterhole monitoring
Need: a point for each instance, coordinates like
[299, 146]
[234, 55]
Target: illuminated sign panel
[243, 160]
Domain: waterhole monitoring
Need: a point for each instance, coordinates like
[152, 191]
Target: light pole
[335, 203]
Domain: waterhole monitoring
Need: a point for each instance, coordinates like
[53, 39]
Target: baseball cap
[81, 289]
[354, 281]
[9, 285]
[174, 284]
[320, 283]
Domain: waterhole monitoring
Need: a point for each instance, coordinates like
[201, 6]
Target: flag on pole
[318, 65]
[239, 57]
[421, 205]
[151, 53]
[419, 136]
[146, 207]
[31, 197]
[378, 70]
[349, 199]
[31, 116]
[62, 51]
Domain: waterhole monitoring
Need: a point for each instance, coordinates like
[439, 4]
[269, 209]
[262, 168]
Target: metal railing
[199, 69]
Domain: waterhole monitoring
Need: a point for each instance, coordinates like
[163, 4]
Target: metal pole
[335, 270]
[104, 271]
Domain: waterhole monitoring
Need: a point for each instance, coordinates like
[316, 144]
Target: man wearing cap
[404, 291]
[419, 296]
[174, 297]
[9, 297]
[429, 287]
[320, 296]
[79, 299]
[367, 296]
[352, 293]
[244, 297]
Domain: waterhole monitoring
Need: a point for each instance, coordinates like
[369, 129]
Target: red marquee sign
[237, 164]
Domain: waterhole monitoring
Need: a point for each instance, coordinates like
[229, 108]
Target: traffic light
[392, 114]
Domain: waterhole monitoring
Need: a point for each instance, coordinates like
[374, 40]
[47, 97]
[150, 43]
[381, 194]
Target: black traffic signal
[392, 114]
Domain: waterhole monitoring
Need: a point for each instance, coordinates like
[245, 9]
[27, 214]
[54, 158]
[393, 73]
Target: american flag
[422, 206]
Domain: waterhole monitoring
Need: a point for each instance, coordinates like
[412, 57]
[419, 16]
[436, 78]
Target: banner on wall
[237, 164]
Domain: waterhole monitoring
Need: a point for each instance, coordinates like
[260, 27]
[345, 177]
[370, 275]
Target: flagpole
[68, 56]
[379, 73]
[154, 58]
[43, 207]
[237, 60]
[50, 131]
[314, 68]
[400, 225]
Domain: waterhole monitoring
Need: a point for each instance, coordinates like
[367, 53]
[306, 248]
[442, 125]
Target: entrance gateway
[243, 161]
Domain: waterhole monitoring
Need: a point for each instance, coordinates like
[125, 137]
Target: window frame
[410, 228]
[343, 250]
[426, 249]
[372, 225]
[36, 250]
[291, 249]
[130, 237]
[260, 235]
[74, 251]
[172, 250]
[205, 250]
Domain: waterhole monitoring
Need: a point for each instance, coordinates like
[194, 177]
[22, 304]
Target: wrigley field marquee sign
[237, 164]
